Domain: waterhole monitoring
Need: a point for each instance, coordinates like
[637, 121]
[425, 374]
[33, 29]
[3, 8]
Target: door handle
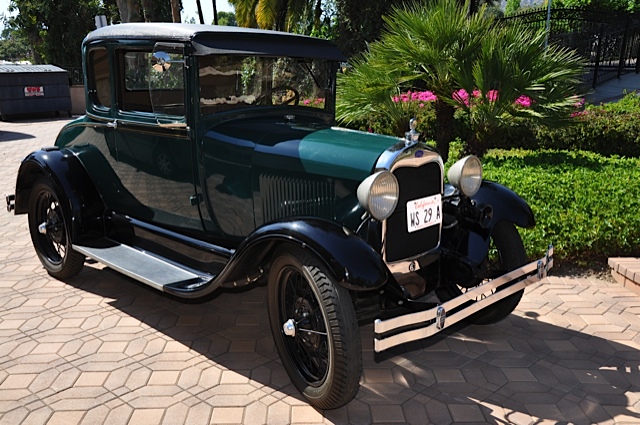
[113, 124]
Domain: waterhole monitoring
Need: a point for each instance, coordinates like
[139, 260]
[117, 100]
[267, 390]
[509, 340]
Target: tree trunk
[175, 10]
[129, 11]
[200, 11]
[215, 12]
[444, 130]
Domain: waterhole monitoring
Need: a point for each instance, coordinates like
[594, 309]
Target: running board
[144, 267]
[401, 329]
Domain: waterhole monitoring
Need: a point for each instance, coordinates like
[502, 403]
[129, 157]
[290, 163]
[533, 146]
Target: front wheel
[314, 326]
[49, 230]
[506, 253]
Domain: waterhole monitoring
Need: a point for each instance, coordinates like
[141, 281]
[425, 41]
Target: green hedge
[587, 205]
[608, 129]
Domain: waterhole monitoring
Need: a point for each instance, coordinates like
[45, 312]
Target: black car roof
[217, 39]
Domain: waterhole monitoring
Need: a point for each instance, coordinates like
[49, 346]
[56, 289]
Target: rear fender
[352, 262]
[79, 198]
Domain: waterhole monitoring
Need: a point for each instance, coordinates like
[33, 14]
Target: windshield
[234, 82]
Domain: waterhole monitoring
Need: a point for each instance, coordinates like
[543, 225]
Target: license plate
[423, 213]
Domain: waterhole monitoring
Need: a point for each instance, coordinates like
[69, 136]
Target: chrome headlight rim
[466, 175]
[378, 194]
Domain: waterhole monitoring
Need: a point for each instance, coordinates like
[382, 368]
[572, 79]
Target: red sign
[31, 91]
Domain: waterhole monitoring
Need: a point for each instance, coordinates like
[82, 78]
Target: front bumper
[389, 333]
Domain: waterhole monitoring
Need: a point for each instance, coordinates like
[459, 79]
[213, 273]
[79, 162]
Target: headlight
[378, 194]
[466, 175]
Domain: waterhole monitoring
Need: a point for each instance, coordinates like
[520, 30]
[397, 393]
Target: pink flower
[492, 95]
[524, 101]
[461, 96]
[306, 101]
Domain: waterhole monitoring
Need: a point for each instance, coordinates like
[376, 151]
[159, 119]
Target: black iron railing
[609, 41]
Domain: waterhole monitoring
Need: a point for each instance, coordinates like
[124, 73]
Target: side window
[99, 78]
[150, 85]
[134, 93]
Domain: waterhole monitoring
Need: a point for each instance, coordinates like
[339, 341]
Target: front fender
[352, 262]
[506, 205]
[79, 198]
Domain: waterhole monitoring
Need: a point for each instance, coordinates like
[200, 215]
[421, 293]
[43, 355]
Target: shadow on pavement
[9, 136]
[521, 366]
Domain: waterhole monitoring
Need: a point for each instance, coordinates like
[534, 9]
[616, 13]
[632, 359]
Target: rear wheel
[315, 329]
[49, 230]
[506, 253]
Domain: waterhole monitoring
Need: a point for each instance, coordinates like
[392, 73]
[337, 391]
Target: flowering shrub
[313, 103]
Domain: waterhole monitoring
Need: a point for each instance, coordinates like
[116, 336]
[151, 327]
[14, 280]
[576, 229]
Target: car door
[153, 148]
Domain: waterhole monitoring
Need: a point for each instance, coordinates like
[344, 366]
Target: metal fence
[609, 41]
[75, 75]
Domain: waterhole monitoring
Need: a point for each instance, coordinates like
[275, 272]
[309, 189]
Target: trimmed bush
[587, 205]
[607, 129]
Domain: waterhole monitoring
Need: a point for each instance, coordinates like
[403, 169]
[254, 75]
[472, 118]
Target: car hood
[310, 147]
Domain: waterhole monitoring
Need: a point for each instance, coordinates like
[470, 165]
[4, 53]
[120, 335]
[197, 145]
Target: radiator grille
[288, 197]
[415, 183]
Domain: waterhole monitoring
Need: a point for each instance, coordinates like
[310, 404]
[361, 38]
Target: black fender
[353, 263]
[505, 205]
[79, 199]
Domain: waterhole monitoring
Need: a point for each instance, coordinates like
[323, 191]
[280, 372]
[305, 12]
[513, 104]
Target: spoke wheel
[315, 329]
[50, 232]
[506, 253]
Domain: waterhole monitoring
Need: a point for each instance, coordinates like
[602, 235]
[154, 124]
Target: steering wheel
[267, 98]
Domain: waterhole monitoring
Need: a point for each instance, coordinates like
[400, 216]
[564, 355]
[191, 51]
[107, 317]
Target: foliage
[279, 15]
[360, 23]
[227, 18]
[512, 7]
[605, 5]
[608, 129]
[585, 204]
[513, 63]
[14, 47]
[45, 26]
[443, 49]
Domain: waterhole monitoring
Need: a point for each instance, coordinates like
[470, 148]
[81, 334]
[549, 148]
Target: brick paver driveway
[101, 348]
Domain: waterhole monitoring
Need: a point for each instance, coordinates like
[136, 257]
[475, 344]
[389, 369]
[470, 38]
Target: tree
[512, 7]
[279, 15]
[471, 63]
[147, 10]
[54, 29]
[360, 23]
[13, 47]
[227, 18]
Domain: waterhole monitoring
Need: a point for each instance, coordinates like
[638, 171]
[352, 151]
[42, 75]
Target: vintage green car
[208, 158]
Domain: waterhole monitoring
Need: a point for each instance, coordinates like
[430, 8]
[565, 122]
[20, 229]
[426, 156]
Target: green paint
[343, 153]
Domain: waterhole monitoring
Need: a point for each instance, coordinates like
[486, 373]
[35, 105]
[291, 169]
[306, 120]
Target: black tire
[49, 230]
[506, 252]
[323, 357]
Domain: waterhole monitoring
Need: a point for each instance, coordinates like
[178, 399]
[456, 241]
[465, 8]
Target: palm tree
[440, 47]
[279, 15]
[515, 78]
[422, 46]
